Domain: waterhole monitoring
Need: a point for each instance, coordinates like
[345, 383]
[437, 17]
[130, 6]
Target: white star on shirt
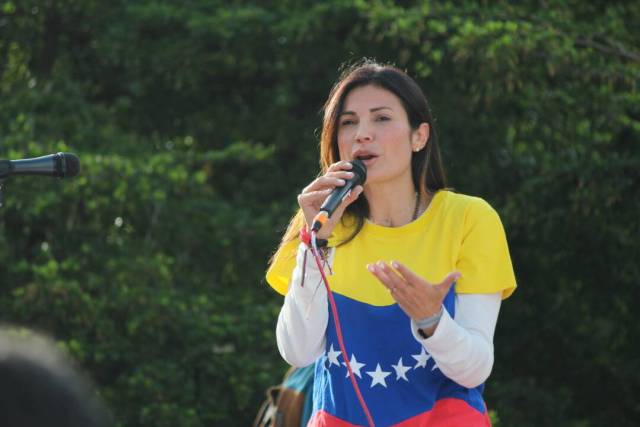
[355, 366]
[378, 376]
[401, 370]
[332, 356]
[421, 358]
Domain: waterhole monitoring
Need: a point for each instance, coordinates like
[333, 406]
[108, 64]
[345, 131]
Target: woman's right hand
[314, 194]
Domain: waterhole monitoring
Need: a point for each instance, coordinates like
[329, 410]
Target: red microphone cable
[334, 311]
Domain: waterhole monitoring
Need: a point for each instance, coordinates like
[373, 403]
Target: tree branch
[613, 48]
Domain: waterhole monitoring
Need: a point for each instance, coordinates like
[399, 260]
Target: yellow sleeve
[484, 259]
[280, 270]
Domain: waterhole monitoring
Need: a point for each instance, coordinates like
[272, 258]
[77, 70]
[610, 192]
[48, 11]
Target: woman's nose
[363, 134]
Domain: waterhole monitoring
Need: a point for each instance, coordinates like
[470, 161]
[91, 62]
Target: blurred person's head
[39, 385]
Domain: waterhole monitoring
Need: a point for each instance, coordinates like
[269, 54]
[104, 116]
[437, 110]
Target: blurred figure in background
[40, 386]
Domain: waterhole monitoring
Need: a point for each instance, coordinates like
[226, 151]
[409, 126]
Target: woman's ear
[420, 136]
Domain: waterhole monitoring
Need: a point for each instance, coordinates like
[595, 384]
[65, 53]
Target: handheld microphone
[335, 198]
[61, 165]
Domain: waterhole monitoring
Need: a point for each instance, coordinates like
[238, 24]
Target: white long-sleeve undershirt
[303, 318]
[461, 347]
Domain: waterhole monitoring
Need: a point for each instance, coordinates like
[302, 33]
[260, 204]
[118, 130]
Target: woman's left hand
[415, 295]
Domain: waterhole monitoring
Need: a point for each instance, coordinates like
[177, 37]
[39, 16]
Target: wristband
[428, 322]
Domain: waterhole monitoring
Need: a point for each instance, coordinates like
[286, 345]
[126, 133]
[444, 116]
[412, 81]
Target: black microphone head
[68, 165]
[360, 170]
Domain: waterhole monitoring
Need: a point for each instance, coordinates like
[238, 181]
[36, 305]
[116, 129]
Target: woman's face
[374, 127]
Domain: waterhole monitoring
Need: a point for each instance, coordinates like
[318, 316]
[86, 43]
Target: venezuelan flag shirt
[399, 381]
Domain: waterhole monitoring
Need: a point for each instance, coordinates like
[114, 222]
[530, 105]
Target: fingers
[335, 176]
[329, 180]
[308, 197]
[324, 182]
[316, 193]
[412, 278]
[341, 165]
[388, 278]
[448, 281]
[318, 190]
[416, 296]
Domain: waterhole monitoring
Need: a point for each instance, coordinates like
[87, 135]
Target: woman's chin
[377, 176]
[369, 163]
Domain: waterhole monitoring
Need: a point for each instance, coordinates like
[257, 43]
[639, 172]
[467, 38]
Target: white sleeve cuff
[306, 288]
[463, 348]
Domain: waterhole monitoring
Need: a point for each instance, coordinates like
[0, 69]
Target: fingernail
[395, 264]
[370, 267]
[380, 264]
[350, 174]
[341, 181]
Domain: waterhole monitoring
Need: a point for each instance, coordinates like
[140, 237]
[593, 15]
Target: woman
[418, 272]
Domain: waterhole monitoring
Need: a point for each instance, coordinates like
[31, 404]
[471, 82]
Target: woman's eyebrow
[372, 110]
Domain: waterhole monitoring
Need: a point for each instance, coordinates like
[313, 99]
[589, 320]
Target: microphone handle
[49, 165]
[336, 196]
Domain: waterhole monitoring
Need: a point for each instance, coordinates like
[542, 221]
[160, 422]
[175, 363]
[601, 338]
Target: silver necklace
[416, 209]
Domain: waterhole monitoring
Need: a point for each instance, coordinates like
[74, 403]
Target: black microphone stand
[5, 171]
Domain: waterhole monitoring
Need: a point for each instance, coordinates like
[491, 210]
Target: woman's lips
[368, 160]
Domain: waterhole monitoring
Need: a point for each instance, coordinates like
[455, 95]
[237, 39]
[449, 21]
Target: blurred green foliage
[196, 125]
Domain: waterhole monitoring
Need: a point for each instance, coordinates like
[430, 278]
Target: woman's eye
[346, 122]
[383, 118]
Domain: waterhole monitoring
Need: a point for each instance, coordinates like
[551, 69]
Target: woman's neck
[392, 205]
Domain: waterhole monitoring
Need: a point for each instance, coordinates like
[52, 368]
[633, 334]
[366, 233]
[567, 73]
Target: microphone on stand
[60, 165]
